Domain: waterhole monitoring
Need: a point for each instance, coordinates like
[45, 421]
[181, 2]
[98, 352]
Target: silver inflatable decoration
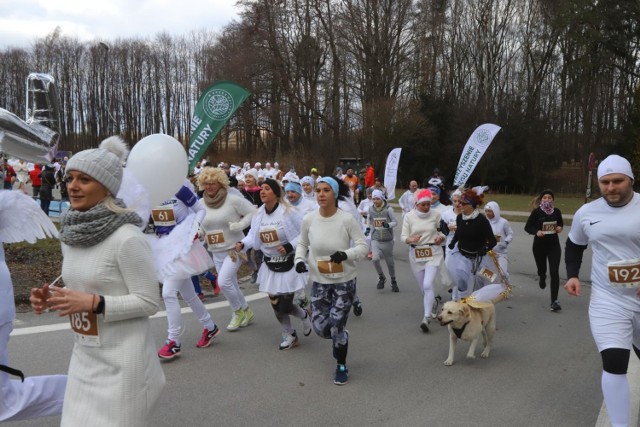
[36, 138]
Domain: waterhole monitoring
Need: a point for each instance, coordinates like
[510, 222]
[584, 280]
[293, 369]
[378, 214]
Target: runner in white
[408, 200]
[611, 224]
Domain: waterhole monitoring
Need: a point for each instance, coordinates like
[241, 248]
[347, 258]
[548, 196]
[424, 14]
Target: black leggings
[551, 251]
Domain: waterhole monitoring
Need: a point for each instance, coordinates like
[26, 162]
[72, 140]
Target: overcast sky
[22, 21]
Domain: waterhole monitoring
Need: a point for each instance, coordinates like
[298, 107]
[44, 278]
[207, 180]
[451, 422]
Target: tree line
[357, 78]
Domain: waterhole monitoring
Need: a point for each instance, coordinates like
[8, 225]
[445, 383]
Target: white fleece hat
[104, 164]
[377, 194]
[615, 164]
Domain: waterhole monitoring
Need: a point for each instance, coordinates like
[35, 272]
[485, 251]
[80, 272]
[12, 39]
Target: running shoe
[289, 341]
[543, 282]
[381, 281]
[306, 324]
[436, 306]
[254, 277]
[357, 308]
[342, 375]
[555, 306]
[170, 350]
[424, 325]
[236, 320]
[248, 317]
[394, 286]
[207, 337]
[201, 296]
[216, 288]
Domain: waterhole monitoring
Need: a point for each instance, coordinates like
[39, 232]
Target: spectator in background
[377, 185]
[9, 176]
[64, 196]
[352, 182]
[46, 189]
[369, 176]
[36, 179]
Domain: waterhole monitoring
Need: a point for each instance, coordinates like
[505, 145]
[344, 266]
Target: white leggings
[36, 397]
[170, 289]
[228, 279]
[425, 280]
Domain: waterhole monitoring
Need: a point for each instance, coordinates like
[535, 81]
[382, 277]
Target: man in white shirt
[611, 225]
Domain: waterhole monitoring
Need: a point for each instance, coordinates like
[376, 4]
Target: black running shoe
[357, 308]
[394, 286]
[381, 282]
[543, 282]
[555, 306]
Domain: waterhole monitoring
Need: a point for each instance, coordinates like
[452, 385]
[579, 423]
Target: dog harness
[460, 331]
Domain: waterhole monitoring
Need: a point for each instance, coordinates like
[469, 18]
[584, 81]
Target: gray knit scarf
[91, 227]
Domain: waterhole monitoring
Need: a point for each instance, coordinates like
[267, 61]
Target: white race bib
[487, 274]
[215, 239]
[269, 237]
[423, 253]
[164, 216]
[85, 328]
[549, 227]
[625, 274]
[330, 270]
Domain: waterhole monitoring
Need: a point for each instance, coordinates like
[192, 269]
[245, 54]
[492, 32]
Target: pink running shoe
[207, 337]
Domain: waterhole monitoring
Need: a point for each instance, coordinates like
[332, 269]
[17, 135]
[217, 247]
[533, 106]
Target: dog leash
[507, 292]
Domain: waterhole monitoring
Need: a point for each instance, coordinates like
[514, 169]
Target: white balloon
[159, 162]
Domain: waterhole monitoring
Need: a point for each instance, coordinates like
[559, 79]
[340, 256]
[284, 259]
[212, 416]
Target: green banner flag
[214, 108]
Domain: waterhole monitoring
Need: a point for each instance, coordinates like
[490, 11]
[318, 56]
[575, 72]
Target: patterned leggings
[330, 305]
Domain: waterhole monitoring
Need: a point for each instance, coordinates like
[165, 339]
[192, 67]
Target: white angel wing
[21, 219]
[135, 196]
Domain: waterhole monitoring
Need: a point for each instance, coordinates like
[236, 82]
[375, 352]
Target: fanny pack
[468, 254]
[279, 264]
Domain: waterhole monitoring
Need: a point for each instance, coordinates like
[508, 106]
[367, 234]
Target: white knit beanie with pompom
[104, 164]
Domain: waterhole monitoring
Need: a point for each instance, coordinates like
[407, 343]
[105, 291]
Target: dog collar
[460, 331]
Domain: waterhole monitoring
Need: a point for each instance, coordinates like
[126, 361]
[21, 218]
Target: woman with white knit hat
[111, 290]
[420, 232]
[381, 225]
[308, 188]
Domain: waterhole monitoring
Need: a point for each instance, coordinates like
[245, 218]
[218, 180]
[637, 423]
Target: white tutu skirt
[280, 283]
[177, 255]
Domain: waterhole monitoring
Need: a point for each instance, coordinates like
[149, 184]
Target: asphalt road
[544, 369]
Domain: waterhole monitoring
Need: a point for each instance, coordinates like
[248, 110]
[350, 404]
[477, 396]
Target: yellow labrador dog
[467, 322]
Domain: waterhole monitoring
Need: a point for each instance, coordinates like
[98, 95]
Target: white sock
[615, 389]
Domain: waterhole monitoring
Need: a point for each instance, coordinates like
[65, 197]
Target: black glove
[300, 267]
[451, 245]
[385, 224]
[338, 257]
[367, 231]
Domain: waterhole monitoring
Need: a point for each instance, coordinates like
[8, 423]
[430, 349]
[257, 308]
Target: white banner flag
[391, 172]
[477, 144]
